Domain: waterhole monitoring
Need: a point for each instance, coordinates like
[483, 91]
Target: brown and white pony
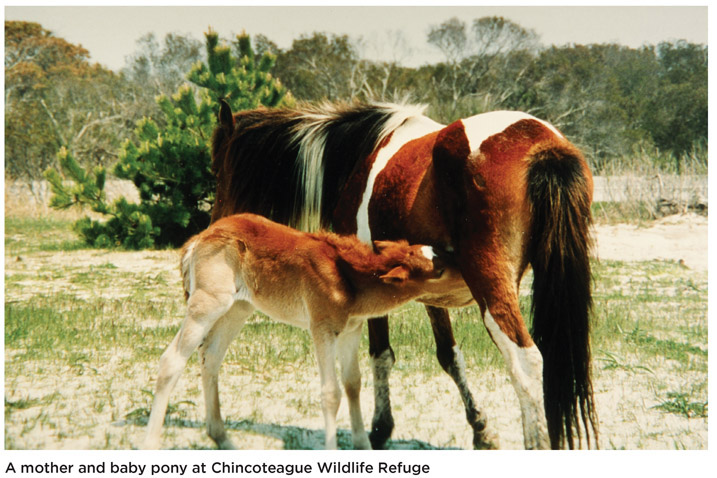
[322, 282]
[503, 190]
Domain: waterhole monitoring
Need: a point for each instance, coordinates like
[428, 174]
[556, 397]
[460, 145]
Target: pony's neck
[363, 263]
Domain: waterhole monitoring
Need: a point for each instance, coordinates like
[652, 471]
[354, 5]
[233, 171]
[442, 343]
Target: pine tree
[170, 165]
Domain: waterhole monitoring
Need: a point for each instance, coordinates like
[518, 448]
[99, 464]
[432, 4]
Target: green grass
[28, 235]
[99, 327]
[679, 403]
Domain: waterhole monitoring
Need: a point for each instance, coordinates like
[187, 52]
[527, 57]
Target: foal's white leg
[325, 344]
[203, 310]
[348, 344]
[525, 365]
[211, 354]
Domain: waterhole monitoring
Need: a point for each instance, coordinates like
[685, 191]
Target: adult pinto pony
[502, 190]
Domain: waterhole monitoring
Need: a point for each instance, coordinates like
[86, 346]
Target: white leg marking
[413, 128]
[480, 127]
[525, 366]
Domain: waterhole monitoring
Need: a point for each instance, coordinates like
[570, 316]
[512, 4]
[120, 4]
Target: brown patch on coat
[404, 202]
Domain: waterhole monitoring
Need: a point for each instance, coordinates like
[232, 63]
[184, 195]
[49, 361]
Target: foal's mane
[360, 256]
[289, 164]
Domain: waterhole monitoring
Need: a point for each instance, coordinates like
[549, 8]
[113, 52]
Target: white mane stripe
[310, 135]
[312, 142]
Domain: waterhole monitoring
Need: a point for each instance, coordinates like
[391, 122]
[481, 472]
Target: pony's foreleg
[203, 310]
[382, 360]
[451, 359]
[211, 354]
[348, 344]
[325, 345]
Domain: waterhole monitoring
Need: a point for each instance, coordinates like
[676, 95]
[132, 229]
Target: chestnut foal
[320, 281]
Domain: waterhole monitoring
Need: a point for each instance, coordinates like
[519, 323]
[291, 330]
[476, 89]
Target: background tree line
[611, 100]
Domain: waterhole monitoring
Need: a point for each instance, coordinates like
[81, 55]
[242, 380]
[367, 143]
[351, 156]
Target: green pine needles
[169, 161]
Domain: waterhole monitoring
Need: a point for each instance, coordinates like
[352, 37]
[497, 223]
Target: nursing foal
[321, 281]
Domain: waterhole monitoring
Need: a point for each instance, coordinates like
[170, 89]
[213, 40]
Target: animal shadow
[293, 438]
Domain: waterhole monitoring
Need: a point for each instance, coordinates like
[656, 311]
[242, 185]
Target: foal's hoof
[485, 440]
[226, 445]
[362, 443]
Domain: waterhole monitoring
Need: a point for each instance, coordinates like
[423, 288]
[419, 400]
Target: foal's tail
[186, 266]
[560, 191]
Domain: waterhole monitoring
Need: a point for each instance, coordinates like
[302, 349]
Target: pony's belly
[461, 297]
[291, 314]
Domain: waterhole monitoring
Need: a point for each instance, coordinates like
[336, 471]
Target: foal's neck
[363, 262]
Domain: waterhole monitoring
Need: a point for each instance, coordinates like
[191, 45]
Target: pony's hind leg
[451, 359]
[203, 310]
[382, 360]
[348, 344]
[211, 354]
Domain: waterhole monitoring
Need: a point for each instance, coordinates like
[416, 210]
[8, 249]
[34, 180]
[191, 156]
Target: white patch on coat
[480, 127]
[525, 365]
[412, 128]
[428, 252]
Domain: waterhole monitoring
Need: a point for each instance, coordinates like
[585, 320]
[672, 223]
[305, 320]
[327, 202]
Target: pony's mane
[289, 164]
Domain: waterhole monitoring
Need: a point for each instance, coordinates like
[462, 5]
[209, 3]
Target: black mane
[262, 169]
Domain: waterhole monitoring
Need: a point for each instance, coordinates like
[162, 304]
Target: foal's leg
[203, 310]
[451, 359]
[325, 344]
[348, 344]
[382, 360]
[211, 354]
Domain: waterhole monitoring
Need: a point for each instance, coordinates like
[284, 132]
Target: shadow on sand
[294, 438]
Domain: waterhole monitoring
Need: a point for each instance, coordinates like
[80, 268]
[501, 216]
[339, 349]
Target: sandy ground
[677, 238]
[623, 407]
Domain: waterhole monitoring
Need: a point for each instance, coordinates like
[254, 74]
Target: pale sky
[110, 33]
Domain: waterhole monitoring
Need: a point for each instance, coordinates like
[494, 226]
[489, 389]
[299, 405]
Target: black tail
[559, 190]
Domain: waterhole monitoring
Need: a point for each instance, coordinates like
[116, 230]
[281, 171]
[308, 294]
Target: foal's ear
[226, 118]
[381, 246]
[397, 275]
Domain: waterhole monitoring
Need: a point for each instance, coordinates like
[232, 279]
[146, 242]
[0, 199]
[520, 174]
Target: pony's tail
[186, 266]
[559, 188]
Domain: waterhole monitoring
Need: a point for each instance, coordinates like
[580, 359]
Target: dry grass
[84, 330]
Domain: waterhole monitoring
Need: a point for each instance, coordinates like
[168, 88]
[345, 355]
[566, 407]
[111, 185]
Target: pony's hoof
[380, 435]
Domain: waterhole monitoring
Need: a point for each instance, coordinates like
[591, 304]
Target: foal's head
[409, 263]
